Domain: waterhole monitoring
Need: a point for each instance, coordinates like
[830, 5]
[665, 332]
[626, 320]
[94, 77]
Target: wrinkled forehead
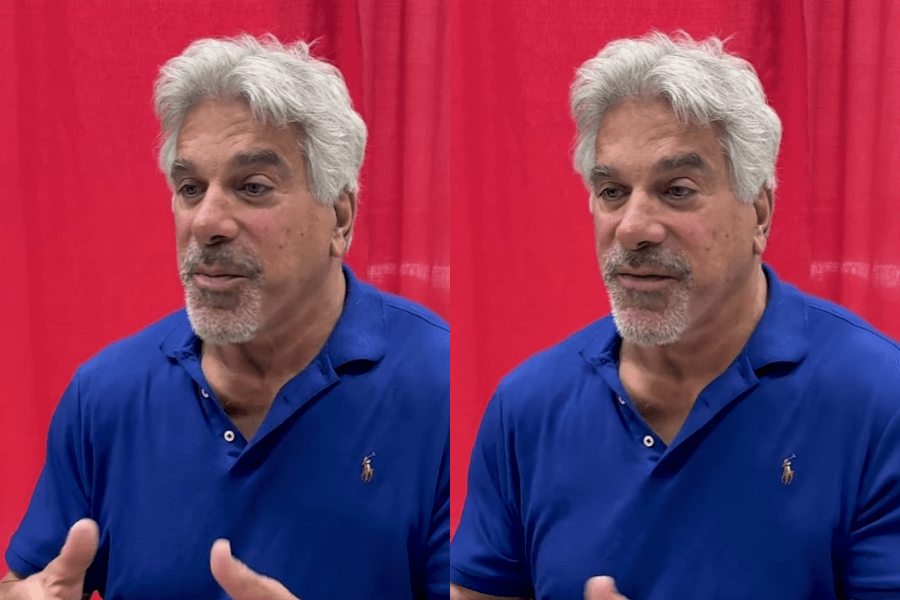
[226, 131]
[646, 134]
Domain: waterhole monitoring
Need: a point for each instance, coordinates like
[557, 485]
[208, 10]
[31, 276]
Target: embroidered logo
[787, 473]
[367, 471]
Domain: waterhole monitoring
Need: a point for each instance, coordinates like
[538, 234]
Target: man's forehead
[647, 119]
[649, 136]
[227, 122]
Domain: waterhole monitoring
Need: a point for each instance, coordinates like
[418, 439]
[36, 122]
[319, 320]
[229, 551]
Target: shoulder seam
[869, 329]
[388, 300]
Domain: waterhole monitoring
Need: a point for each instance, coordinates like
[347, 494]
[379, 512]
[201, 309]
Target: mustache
[226, 258]
[668, 262]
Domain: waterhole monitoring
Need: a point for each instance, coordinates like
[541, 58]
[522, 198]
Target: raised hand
[63, 578]
[239, 581]
[601, 588]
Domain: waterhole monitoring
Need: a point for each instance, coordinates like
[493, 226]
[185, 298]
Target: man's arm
[437, 548]
[871, 565]
[461, 593]
[10, 577]
[488, 548]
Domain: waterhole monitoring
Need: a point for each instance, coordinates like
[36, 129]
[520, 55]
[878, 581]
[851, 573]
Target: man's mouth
[644, 281]
[645, 276]
[218, 282]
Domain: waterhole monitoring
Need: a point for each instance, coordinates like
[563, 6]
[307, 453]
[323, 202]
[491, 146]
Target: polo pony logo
[368, 472]
[787, 473]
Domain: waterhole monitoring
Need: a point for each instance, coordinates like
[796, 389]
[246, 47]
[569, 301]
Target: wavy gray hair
[703, 84]
[283, 85]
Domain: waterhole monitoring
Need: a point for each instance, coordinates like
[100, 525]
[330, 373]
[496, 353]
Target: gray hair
[283, 85]
[703, 84]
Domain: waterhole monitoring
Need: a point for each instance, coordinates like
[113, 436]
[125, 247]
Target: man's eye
[679, 192]
[609, 193]
[255, 189]
[189, 190]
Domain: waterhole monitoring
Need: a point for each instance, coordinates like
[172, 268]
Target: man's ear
[345, 216]
[763, 205]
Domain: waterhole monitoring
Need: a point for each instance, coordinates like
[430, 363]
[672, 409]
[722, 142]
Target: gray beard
[650, 318]
[230, 317]
[655, 318]
[220, 318]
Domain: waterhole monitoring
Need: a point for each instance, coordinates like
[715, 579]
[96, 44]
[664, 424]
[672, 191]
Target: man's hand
[63, 578]
[601, 588]
[239, 581]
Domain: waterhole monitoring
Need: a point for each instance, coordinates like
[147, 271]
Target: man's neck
[712, 342]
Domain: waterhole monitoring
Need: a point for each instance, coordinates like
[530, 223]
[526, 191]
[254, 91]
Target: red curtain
[469, 153]
[86, 223]
[525, 269]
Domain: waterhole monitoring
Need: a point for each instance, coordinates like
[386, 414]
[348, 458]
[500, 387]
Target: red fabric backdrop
[469, 154]
[86, 226]
[523, 254]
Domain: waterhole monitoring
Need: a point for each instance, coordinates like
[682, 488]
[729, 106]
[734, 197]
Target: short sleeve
[488, 550]
[438, 564]
[61, 495]
[872, 561]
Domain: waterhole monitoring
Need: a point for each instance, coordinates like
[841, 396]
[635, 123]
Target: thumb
[239, 581]
[601, 588]
[77, 553]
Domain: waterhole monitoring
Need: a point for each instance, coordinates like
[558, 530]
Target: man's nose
[640, 225]
[214, 220]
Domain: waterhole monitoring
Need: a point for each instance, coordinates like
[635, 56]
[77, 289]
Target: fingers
[239, 581]
[601, 588]
[77, 553]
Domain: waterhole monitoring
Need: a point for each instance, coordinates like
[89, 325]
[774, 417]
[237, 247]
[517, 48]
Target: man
[721, 435]
[293, 415]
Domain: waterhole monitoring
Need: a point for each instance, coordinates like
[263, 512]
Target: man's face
[252, 241]
[674, 243]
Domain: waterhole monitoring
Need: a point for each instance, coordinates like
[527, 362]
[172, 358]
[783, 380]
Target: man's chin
[221, 326]
[200, 299]
[223, 336]
[653, 302]
[648, 328]
[218, 306]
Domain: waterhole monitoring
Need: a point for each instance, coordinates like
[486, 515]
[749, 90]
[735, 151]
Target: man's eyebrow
[259, 158]
[602, 172]
[180, 166]
[691, 160]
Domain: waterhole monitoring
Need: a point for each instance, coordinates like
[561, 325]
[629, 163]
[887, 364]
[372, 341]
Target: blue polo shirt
[140, 444]
[567, 481]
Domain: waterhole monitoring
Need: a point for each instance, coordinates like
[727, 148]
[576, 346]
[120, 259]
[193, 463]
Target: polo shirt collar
[780, 336]
[360, 333]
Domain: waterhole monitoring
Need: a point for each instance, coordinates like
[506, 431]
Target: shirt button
[621, 400]
[229, 436]
[204, 393]
[649, 441]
